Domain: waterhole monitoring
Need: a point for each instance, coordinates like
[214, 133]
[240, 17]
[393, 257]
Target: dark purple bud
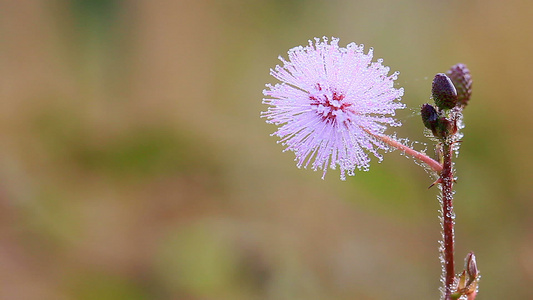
[460, 76]
[443, 92]
[429, 116]
[441, 127]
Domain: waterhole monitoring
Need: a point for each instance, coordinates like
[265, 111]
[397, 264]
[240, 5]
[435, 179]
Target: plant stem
[448, 216]
[433, 164]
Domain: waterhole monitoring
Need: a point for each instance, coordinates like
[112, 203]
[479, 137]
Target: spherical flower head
[331, 104]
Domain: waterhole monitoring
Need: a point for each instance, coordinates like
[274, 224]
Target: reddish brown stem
[448, 216]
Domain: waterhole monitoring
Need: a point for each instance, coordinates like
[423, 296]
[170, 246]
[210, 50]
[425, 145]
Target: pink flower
[332, 105]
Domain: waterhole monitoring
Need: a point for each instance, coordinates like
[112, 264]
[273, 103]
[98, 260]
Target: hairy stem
[448, 216]
[433, 164]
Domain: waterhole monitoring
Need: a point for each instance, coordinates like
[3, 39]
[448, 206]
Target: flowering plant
[333, 106]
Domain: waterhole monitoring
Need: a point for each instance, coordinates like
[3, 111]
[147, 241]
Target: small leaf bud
[444, 92]
[471, 267]
[462, 281]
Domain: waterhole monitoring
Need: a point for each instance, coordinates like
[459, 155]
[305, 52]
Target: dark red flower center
[330, 105]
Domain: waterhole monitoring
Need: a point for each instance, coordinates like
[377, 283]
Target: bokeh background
[134, 163]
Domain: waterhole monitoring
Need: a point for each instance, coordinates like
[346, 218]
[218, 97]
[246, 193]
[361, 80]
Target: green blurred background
[134, 163]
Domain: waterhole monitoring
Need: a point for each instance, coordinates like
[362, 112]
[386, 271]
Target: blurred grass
[139, 152]
[134, 164]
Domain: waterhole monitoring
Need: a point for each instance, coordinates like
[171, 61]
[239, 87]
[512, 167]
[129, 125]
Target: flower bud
[429, 116]
[444, 92]
[441, 127]
[462, 80]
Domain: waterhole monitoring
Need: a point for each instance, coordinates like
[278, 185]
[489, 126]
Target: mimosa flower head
[332, 104]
